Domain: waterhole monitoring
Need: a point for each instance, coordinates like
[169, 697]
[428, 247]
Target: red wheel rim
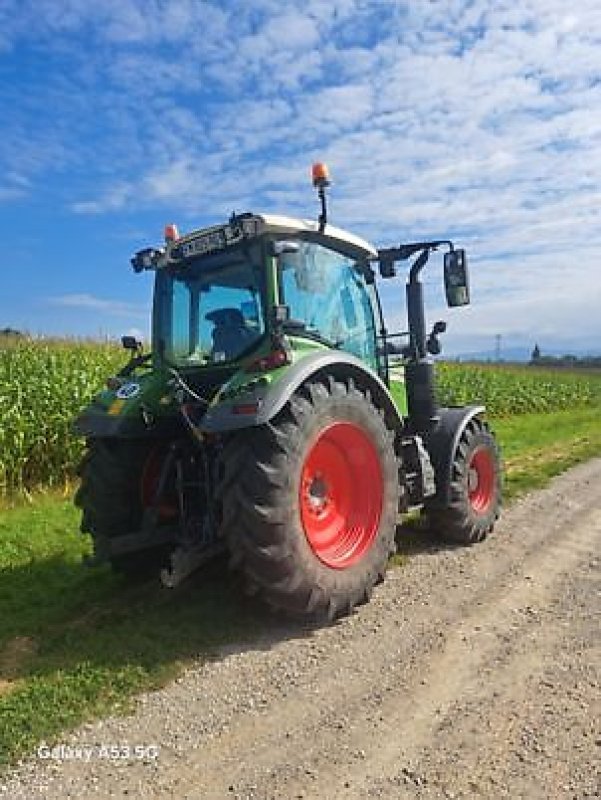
[341, 495]
[151, 474]
[481, 480]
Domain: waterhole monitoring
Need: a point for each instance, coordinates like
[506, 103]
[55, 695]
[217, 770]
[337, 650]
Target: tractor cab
[226, 297]
[261, 288]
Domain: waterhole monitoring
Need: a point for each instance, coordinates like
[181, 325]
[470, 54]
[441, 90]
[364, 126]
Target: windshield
[211, 310]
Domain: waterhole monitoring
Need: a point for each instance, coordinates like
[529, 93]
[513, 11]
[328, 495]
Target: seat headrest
[226, 316]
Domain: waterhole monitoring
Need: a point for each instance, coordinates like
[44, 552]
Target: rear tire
[308, 502]
[475, 488]
[111, 497]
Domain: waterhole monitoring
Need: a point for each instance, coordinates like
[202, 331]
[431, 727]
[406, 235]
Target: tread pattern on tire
[257, 494]
[458, 522]
[109, 497]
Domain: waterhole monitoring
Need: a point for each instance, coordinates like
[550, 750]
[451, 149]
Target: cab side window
[326, 293]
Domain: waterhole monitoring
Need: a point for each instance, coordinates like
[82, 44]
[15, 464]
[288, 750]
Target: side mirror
[131, 343]
[456, 282]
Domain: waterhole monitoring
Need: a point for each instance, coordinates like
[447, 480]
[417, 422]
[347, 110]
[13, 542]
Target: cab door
[326, 292]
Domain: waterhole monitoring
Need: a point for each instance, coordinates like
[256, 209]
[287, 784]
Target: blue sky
[479, 121]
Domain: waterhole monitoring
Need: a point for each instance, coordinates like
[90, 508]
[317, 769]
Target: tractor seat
[230, 333]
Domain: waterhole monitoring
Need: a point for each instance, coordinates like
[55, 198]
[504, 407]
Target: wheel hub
[481, 480]
[316, 493]
[341, 494]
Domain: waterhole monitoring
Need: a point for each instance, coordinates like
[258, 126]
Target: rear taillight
[245, 409]
[273, 360]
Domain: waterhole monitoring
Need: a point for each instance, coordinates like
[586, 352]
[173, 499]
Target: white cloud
[112, 200]
[480, 120]
[11, 193]
[140, 335]
[88, 302]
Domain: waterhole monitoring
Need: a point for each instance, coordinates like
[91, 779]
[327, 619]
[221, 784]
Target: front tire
[475, 488]
[309, 501]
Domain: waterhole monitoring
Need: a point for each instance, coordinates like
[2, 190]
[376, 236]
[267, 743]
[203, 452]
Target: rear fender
[132, 410]
[262, 403]
[441, 444]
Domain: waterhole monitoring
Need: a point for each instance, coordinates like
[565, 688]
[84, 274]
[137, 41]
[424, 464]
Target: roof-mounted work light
[320, 174]
[146, 259]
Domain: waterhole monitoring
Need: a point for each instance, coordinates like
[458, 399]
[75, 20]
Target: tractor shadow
[415, 538]
[57, 615]
[77, 644]
[82, 638]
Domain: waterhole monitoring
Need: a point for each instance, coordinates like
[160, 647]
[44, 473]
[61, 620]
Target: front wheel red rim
[481, 480]
[341, 495]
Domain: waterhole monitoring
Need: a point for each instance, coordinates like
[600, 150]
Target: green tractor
[263, 422]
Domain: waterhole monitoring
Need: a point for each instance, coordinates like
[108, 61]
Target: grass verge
[536, 447]
[77, 643]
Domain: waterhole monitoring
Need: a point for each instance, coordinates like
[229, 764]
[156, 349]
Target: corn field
[511, 389]
[44, 384]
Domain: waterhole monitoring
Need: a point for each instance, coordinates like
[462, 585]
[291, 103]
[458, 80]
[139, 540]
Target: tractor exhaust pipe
[419, 371]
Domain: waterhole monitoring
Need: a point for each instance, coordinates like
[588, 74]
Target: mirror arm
[417, 266]
[388, 256]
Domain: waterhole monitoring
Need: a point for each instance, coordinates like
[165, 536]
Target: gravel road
[473, 673]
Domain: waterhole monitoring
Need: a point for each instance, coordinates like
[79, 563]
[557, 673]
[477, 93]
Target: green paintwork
[156, 396]
[242, 381]
[273, 289]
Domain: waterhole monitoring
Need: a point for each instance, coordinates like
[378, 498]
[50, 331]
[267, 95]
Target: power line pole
[498, 347]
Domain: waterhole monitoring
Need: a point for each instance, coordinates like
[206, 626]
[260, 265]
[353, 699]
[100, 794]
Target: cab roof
[278, 225]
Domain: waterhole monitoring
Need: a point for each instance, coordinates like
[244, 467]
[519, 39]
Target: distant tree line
[537, 359]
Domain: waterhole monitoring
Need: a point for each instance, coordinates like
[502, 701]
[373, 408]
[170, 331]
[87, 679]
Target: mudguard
[441, 444]
[95, 422]
[261, 402]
